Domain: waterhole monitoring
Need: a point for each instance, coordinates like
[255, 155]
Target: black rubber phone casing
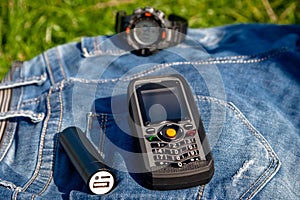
[168, 161]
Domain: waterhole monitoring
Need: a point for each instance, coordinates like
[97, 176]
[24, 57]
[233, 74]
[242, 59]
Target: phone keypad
[176, 154]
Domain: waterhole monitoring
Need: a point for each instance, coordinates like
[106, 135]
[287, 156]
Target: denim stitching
[210, 61]
[210, 99]
[46, 185]
[267, 174]
[41, 146]
[95, 53]
[33, 197]
[48, 65]
[21, 98]
[30, 102]
[24, 81]
[60, 63]
[95, 45]
[18, 189]
[8, 185]
[103, 126]
[35, 117]
[56, 141]
[200, 192]
[104, 119]
[101, 134]
[15, 194]
[98, 51]
[61, 106]
[220, 60]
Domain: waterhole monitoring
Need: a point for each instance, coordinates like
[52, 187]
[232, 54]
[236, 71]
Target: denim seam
[238, 114]
[101, 135]
[8, 185]
[104, 119]
[118, 52]
[48, 65]
[15, 194]
[30, 102]
[275, 162]
[219, 60]
[267, 173]
[41, 146]
[35, 117]
[96, 51]
[59, 125]
[18, 189]
[200, 192]
[95, 44]
[99, 52]
[24, 81]
[60, 63]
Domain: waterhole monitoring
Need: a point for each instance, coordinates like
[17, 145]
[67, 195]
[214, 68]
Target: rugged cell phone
[171, 138]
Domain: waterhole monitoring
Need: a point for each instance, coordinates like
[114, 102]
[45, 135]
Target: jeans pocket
[20, 144]
[109, 133]
[20, 119]
[28, 111]
[244, 160]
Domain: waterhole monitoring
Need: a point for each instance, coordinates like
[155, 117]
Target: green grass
[29, 27]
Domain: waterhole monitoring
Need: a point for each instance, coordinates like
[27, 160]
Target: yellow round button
[171, 132]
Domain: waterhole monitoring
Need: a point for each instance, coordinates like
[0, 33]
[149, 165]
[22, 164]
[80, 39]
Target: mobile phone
[170, 136]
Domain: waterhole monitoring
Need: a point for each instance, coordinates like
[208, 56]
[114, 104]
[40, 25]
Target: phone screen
[160, 104]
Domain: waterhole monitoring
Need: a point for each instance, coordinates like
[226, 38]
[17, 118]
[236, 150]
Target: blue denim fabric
[246, 83]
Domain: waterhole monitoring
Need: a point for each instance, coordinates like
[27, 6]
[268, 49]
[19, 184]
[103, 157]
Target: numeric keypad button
[159, 151]
[174, 151]
[160, 157]
[158, 144]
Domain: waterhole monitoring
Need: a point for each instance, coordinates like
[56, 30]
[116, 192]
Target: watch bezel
[148, 15]
[153, 26]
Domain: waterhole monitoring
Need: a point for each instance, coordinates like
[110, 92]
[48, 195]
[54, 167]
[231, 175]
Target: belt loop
[54, 64]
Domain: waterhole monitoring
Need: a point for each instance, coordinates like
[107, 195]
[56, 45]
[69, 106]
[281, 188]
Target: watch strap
[179, 25]
[121, 21]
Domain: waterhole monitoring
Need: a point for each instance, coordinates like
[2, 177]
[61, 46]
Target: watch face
[146, 31]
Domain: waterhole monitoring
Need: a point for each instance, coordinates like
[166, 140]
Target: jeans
[245, 79]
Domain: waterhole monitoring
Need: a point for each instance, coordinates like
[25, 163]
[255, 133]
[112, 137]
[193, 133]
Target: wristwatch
[147, 30]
